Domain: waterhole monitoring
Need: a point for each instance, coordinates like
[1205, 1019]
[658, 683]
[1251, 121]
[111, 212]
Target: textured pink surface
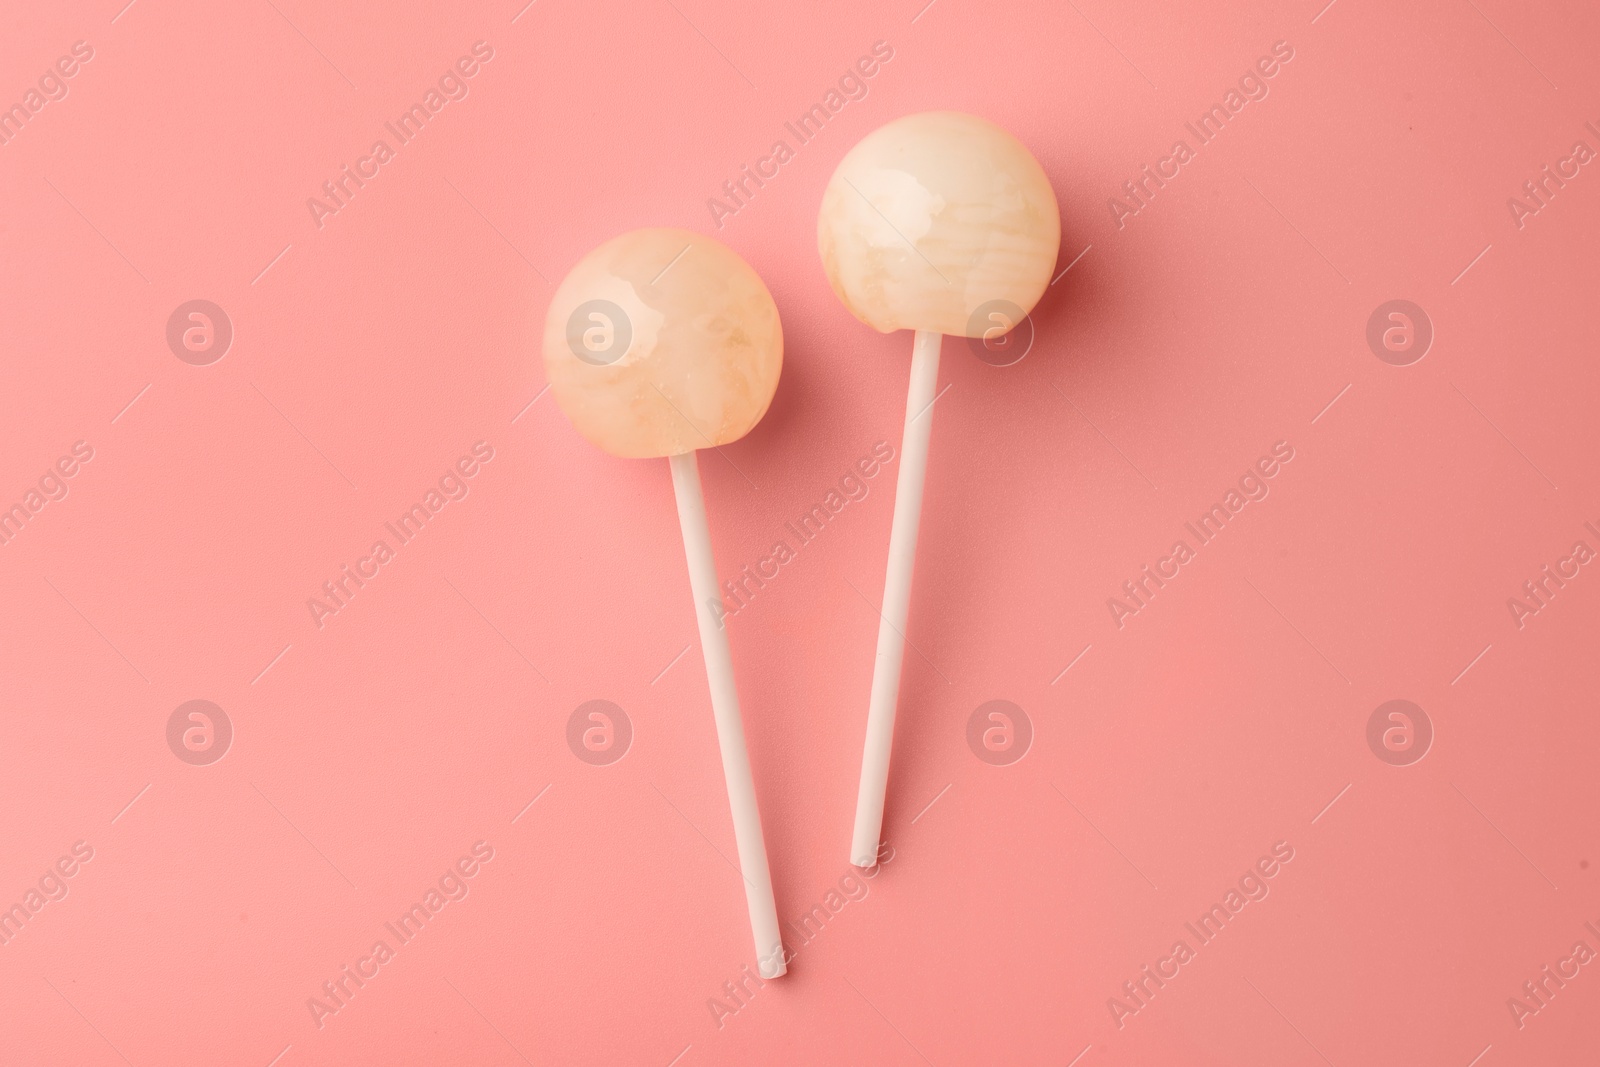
[1222, 725]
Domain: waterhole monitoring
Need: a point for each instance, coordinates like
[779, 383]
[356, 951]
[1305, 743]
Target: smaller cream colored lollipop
[659, 343]
[941, 223]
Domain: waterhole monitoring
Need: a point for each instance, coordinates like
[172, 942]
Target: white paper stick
[896, 599]
[725, 708]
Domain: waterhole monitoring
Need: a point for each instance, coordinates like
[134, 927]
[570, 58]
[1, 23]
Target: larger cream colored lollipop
[940, 223]
[929, 219]
[661, 342]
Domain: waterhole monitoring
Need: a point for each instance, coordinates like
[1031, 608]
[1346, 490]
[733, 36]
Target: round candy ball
[662, 341]
[939, 221]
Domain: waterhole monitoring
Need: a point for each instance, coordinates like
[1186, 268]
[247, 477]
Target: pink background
[1228, 715]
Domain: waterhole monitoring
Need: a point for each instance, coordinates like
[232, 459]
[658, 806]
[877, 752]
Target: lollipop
[940, 223]
[661, 342]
